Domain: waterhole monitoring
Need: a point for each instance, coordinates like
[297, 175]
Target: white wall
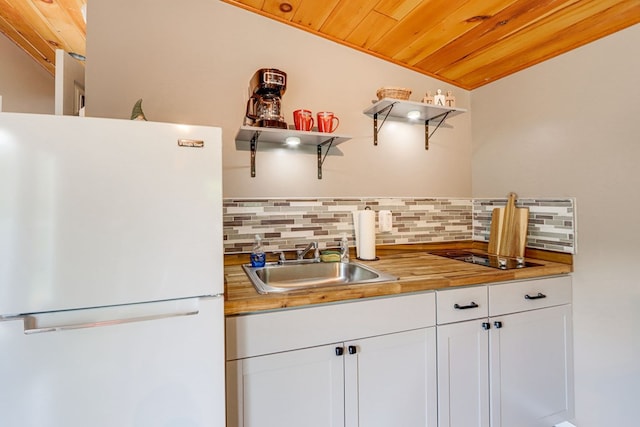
[569, 127]
[69, 83]
[191, 62]
[25, 86]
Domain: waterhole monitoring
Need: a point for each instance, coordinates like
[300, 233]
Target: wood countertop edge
[417, 272]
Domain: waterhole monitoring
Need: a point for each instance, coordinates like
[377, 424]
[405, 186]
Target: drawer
[529, 294]
[457, 305]
[271, 332]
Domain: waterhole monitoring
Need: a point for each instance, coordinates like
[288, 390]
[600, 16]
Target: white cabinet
[531, 352]
[512, 364]
[531, 368]
[390, 380]
[463, 374]
[463, 357]
[295, 388]
[365, 370]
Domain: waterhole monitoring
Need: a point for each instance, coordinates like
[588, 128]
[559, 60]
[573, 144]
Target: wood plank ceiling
[468, 43]
[39, 27]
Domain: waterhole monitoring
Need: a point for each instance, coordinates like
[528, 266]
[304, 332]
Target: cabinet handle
[539, 296]
[465, 307]
[486, 326]
[352, 349]
[339, 351]
[498, 325]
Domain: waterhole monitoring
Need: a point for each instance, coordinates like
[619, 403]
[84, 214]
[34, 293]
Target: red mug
[326, 122]
[303, 120]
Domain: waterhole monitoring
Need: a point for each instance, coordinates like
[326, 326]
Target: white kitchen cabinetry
[463, 357]
[531, 353]
[513, 367]
[302, 387]
[334, 365]
[390, 380]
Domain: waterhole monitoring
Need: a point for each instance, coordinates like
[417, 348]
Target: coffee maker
[264, 108]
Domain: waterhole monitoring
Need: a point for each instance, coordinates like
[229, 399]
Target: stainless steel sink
[274, 277]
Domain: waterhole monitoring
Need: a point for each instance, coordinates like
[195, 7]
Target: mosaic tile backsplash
[552, 224]
[289, 223]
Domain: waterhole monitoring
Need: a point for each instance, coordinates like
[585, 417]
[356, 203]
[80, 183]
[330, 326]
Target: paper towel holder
[377, 258]
[368, 259]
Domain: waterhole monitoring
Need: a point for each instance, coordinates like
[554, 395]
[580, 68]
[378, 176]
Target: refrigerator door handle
[97, 317]
[30, 322]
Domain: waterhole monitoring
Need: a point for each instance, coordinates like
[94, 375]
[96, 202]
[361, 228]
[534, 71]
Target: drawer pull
[339, 351]
[352, 349]
[539, 296]
[486, 326]
[465, 307]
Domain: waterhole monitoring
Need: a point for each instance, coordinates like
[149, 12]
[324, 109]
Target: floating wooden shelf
[395, 108]
[278, 137]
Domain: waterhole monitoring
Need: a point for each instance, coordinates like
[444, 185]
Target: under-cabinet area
[496, 355]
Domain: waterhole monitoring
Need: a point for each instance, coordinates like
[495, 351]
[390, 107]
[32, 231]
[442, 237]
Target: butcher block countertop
[416, 269]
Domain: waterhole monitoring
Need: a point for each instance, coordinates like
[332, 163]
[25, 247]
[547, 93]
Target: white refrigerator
[111, 273]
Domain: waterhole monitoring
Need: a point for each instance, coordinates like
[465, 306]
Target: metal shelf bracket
[376, 128]
[322, 158]
[428, 135]
[254, 148]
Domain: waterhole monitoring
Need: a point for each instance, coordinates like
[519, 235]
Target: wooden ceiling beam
[467, 43]
[8, 30]
[346, 16]
[27, 29]
[451, 30]
[414, 25]
[312, 14]
[69, 31]
[583, 23]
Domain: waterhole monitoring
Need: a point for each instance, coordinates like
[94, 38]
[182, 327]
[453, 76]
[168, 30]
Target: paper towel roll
[366, 234]
[356, 230]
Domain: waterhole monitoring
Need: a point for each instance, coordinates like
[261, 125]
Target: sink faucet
[300, 254]
[311, 246]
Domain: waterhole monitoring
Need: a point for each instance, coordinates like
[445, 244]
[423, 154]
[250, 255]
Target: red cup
[303, 120]
[326, 122]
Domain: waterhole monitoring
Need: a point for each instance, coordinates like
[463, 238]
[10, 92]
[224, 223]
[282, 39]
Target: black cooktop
[494, 261]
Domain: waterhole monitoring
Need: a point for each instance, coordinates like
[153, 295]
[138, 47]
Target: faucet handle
[281, 256]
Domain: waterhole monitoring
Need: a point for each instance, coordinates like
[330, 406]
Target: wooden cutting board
[508, 234]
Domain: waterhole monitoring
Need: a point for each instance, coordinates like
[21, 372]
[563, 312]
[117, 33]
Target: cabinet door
[463, 374]
[531, 368]
[390, 380]
[291, 389]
